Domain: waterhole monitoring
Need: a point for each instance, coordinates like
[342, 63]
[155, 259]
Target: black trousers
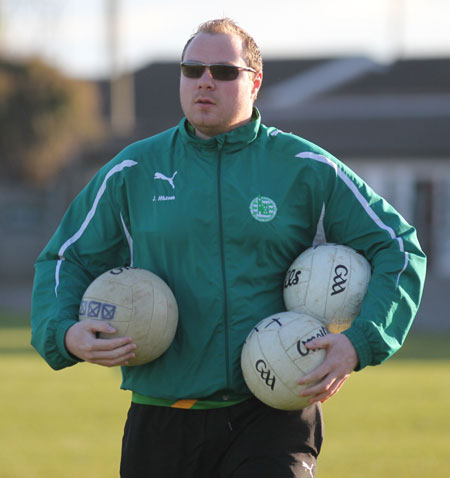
[248, 440]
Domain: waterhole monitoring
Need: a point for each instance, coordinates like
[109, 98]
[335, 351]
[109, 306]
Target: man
[191, 413]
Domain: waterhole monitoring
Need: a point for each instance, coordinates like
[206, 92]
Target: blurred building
[390, 123]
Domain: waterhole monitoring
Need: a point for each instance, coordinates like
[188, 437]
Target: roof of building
[352, 106]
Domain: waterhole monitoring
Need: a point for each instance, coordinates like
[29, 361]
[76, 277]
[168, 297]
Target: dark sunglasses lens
[218, 72]
[224, 72]
[192, 71]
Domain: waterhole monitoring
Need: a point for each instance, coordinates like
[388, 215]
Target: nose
[206, 80]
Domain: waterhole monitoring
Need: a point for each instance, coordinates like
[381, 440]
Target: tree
[44, 118]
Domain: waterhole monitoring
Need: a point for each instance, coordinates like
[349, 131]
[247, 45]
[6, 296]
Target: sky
[72, 34]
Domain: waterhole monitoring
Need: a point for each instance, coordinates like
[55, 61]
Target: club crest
[263, 209]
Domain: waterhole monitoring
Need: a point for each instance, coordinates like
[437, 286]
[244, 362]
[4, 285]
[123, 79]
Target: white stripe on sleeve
[129, 239]
[361, 199]
[116, 169]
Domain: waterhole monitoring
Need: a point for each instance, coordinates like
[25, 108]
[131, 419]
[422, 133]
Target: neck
[206, 133]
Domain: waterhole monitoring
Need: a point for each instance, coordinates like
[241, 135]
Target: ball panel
[260, 377]
[254, 369]
[349, 286]
[303, 331]
[271, 360]
[339, 267]
[141, 322]
[275, 355]
[171, 319]
[338, 280]
[159, 332]
[109, 302]
[315, 304]
[297, 281]
[140, 305]
[302, 326]
[361, 273]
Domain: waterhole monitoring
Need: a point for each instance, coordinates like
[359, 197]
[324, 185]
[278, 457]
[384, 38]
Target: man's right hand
[81, 340]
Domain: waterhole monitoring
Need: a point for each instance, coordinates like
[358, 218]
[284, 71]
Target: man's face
[213, 106]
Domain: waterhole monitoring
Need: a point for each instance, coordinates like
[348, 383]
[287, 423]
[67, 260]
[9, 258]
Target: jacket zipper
[222, 257]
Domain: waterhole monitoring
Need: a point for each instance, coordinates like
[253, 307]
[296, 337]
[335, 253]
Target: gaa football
[274, 357]
[138, 304]
[328, 282]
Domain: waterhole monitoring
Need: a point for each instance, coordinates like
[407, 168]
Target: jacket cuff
[361, 344]
[64, 326]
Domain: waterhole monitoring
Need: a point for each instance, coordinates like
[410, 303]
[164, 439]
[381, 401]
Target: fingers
[110, 357]
[81, 340]
[321, 383]
[328, 378]
[97, 326]
[324, 391]
[322, 370]
[110, 344]
[318, 374]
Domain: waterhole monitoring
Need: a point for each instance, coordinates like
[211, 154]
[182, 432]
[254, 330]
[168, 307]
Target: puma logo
[165, 178]
[309, 468]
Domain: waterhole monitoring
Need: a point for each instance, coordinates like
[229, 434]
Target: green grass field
[387, 421]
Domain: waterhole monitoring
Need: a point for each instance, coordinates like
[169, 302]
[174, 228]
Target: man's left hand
[339, 363]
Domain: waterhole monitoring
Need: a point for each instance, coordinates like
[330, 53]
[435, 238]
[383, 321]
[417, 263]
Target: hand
[330, 375]
[81, 340]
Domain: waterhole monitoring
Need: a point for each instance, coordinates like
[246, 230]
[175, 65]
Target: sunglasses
[221, 72]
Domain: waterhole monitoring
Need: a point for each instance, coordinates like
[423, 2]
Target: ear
[257, 82]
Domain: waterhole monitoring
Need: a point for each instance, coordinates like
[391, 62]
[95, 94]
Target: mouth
[204, 101]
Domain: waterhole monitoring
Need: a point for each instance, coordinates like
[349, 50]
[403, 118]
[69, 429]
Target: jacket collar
[233, 140]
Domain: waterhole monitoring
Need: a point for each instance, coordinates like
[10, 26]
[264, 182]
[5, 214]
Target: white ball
[328, 282]
[138, 304]
[274, 357]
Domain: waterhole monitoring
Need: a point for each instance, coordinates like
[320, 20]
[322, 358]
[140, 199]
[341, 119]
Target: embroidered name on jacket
[163, 198]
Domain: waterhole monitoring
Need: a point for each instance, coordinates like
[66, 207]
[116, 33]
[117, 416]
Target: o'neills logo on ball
[301, 344]
[263, 209]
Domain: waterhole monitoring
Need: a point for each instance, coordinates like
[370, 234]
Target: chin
[205, 133]
[207, 128]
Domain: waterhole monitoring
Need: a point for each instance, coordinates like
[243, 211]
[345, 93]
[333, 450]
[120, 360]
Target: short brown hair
[252, 54]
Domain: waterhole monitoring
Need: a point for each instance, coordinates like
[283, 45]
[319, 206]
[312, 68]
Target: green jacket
[221, 220]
